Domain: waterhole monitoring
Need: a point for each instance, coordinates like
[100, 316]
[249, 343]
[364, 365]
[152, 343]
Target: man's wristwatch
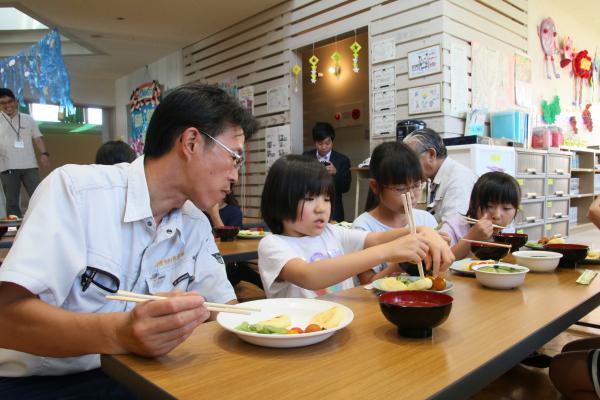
[45, 153]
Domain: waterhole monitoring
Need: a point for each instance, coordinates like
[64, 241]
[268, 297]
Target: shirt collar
[326, 157]
[444, 172]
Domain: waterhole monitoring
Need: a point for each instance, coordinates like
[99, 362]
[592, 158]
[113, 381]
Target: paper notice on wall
[492, 78]
[384, 100]
[459, 85]
[246, 97]
[383, 125]
[277, 142]
[523, 87]
[384, 77]
[383, 50]
[278, 99]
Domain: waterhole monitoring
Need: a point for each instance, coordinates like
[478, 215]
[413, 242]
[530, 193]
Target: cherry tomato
[312, 328]
[439, 283]
[295, 330]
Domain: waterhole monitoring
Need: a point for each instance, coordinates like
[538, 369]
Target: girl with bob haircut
[308, 257]
[395, 170]
[495, 200]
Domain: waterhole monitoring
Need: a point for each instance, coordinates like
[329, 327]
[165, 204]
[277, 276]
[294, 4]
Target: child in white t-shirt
[308, 257]
[394, 170]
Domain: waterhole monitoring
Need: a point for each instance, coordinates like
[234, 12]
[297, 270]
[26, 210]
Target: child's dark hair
[289, 180]
[392, 163]
[114, 152]
[494, 188]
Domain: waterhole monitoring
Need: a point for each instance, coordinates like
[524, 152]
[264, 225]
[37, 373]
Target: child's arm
[594, 212]
[370, 275]
[482, 230]
[324, 273]
[440, 256]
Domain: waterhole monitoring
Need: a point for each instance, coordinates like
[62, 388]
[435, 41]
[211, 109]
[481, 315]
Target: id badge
[19, 144]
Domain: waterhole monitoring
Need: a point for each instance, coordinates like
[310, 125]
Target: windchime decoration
[313, 61]
[40, 70]
[355, 47]
[296, 71]
[336, 56]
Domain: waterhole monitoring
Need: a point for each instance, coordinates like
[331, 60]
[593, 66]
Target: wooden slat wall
[259, 52]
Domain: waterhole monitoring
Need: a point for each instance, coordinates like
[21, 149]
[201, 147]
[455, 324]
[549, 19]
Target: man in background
[450, 182]
[337, 164]
[18, 164]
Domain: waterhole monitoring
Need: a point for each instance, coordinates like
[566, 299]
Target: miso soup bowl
[497, 280]
[538, 261]
[572, 253]
[415, 312]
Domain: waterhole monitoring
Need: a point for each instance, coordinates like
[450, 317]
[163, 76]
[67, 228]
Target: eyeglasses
[238, 159]
[404, 189]
[104, 280]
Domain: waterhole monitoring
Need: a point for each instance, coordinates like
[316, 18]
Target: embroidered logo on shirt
[169, 260]
[218, 257]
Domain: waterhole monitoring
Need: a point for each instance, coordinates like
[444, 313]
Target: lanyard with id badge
[19, 144]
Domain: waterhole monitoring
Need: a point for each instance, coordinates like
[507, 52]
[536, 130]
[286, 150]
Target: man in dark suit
[337, 164]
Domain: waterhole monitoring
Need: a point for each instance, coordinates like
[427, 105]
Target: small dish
[226, 233]
[506, 277]
[538, 261]
[251, 234]
[516, 240]
[300, 311]
[572, 253]
[485, 251]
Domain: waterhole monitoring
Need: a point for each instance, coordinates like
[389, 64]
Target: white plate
[460, 266]
[300, 312]
[377, 285]
[246, 234]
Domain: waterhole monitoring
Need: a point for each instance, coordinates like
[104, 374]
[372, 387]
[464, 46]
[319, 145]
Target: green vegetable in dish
[500, 269]
[260, 328]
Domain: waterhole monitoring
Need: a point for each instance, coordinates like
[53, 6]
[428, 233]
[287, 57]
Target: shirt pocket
[175, 277]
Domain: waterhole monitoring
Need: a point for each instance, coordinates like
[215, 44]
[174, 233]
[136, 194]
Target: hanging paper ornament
[355, 47]
[547, 34]
[550, 111]
[566, 52]
[594, 75]
[143, 101]
[582, 70]
[336, 56]
[313, 61]
[296, 71]
[586, 115]
[573, 123]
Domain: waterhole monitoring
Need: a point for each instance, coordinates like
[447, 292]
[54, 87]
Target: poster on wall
[383, 125]
[230, 86]
[424, 62]
[459, 85]
[384, 77]
[142, 103]
[492, 78]
[246, 97]
[523, 88]
[383, 50]
[384, 100]
[278, 99]
[277, 143]
[425, 99]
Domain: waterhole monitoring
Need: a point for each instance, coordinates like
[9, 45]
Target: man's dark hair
[322, 131]
[290, 179]
[206, 108]
[114, 152]
[5, 92]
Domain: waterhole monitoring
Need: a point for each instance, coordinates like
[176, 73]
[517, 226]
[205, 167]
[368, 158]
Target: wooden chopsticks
[407, 202]
[493, 244]
[124, 295]
[474, 221]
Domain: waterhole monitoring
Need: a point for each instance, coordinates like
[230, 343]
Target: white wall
[167, 71]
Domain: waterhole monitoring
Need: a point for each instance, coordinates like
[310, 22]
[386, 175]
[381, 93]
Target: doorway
[341, 98]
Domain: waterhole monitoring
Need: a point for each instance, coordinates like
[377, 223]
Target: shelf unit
[544, 177]
[585, 164]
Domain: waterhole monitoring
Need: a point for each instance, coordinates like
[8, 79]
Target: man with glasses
[92, 230]
[18, 164]
[450, 182]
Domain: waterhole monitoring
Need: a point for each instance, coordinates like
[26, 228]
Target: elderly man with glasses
[92, 230]
[450, 182]
[18, 165]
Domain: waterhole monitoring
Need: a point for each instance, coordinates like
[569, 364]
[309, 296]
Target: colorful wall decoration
[143, 102]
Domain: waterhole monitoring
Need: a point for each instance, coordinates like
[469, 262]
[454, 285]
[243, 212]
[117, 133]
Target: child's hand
[445, 236]
[440, 256]
[408, 248]
[482, 230]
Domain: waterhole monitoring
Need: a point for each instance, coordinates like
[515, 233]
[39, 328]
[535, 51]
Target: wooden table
[487, 333]
[239, 250]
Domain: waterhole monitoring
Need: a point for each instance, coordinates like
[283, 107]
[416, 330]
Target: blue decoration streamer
[39, 70]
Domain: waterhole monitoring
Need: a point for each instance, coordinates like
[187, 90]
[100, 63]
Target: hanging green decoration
[550, 111]
[296, 69]
[355, 47]
[314, 60]
[336, 56]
